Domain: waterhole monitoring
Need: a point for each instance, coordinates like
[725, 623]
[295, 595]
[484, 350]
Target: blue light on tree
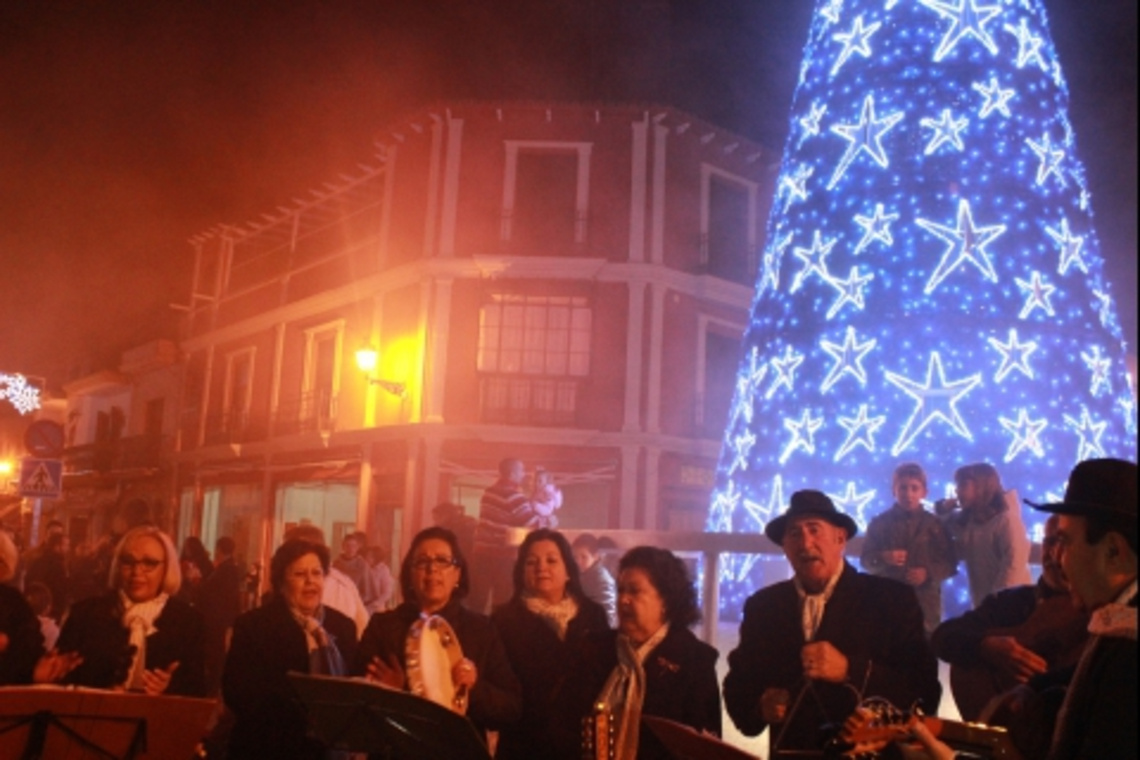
[932, 287]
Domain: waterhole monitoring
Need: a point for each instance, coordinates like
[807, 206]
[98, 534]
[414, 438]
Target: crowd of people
[566, 654]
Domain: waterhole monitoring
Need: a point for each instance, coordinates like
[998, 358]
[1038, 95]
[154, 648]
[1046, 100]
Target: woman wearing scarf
[433, 579]
[542, 626]
[292, 631]
[138, 636]
[653, 664]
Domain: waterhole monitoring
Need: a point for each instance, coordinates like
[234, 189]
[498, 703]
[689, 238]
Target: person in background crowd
[541, 627]
[382, 580]
[196, 567]
[911, 545]
[652, 664]
[597, 583]
[84, 572]
[453, 518]
[39, 597]
[21, 642]
[353, 563]
[545, 500]
[339, 592]
[811, 648]
[502, 507]
[138, 636]
[433, 578]
[988, 534]
[219, 600]
[983, 647]
[50, 569]
[294, 631]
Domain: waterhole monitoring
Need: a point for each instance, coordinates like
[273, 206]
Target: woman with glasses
[477, 679]
[542, 626]
[292, 632]
[138, 636]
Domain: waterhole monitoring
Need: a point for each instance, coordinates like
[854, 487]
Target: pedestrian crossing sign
[41, 478]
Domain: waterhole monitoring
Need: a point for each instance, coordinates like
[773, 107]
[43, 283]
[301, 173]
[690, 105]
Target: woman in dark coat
[292, 631]
[541, 626]
[433, 578]
[653, 664]
[138, 636]
[21, 643]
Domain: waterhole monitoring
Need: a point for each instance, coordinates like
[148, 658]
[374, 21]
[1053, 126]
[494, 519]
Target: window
[239, 391]
[323, 347]
[728, 225]
[546, 196]
[533, 351]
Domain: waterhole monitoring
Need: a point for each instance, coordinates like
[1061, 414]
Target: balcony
[312, 412]
[130, 453]
[523, 400]
[235, 427]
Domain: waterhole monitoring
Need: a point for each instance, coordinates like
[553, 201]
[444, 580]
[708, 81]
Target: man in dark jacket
[812, 647]
[219, 600]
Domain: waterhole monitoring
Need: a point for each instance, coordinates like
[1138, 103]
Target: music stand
[75, 722]
[686, 743]
[360, 716]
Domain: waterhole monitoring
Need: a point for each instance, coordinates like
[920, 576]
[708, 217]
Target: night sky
[128, 126]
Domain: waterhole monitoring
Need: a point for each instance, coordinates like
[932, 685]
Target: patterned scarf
[812, 606]
[624, 692]
[324, 657]
[139, 619]
[557, 615]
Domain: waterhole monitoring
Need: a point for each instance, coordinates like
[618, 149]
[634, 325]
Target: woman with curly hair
[652, 664]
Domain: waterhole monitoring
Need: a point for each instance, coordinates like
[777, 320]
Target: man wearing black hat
[812, 647]
[1098, 555]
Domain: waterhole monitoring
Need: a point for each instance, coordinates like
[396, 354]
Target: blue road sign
[41, 478]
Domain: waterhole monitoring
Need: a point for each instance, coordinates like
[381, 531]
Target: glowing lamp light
[931, 157]
[367, 359]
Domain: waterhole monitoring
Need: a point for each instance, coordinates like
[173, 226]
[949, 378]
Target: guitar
[1056, 630]
[877, 723]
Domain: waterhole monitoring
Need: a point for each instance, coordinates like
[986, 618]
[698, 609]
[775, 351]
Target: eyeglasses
[423, 564]
[146, 563]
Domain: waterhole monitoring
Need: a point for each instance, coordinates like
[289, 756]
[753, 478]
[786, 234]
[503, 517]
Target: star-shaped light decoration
[724, 506]
[747, 383]
[876, 227]
[1100, 366]
[937, 399]
[810, 122]
[770, 272]
[1026, 434]
[861, 430]
[947, 129]
[20, 394]
[997, 99]
[803, 434]
[855, 41]
[1037, 294]
[967, 244]
[969, 20]
[853, 504]
[1089, 432]
[1014, 356]
[1127, 404]
[794, 186]
[864, 136]
[1028, 45]
[832, 10]
[1070, 248]
[741, 447]
[850, 291]
[1103, 306]
[762, 513]
[785, 369]
[848, 358]
[1050, 157]
[815, 260]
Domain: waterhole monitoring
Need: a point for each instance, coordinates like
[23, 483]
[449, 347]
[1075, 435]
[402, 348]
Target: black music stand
[360, 716]
[686, 743]
[95, 724]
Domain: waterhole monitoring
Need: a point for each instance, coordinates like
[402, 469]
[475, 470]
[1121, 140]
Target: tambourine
[431, 652]
[598, 734]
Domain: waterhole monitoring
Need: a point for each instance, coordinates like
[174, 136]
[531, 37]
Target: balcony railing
[235, 427]
[130, 453]
[312, 412]
[523, 400]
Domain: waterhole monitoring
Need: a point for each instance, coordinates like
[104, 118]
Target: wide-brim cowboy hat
[1097, 487]
[809, 504]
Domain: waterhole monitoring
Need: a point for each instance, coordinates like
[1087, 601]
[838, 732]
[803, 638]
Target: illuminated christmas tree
[932, 288]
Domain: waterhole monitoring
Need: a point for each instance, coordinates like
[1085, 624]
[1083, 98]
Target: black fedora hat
[809, 504]
[1097, 487]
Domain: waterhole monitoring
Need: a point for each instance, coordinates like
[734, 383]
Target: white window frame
[704, 325]
[546, 302]
[582, 189]
[707, 173]
[312, 335]
[228, 401]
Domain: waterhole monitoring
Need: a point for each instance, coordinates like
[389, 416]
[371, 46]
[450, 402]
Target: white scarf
[812, 606]
[624, 692]
[557, 615]
[139, 619]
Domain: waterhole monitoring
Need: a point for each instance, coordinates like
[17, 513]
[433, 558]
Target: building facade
[564, 284]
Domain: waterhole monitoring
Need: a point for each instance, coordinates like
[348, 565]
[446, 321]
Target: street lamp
[367, 358]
